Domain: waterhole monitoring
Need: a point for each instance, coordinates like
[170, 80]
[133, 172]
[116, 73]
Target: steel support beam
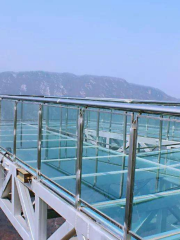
[33, 226]
[16, 205]
[27, 207]
[40, 218]
[64, 232]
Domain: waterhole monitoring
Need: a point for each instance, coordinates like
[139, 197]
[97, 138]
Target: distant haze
[135, 40]
[71, 85]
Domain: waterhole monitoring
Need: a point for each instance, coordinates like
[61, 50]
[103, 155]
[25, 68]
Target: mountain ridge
[72, 85]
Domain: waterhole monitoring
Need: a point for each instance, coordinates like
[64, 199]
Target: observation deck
[109, 168]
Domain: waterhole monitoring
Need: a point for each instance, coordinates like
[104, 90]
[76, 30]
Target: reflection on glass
[156, 204]
[7, 125]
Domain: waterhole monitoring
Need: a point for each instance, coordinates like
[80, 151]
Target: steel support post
[47, 117]
[47, 136]
[147, 122]
[160, 133]
[168, 129]
[97, 143]
[97, 127]
[110, 128]
[77, 116]
[173, 129]
[79, 158]
[110, 122]
[21, 123]
[67, 113]
[124, 151]
[77, 121]
[160, 148]
[15, 130]
[61, 119]
[60, 130]
[124, 132]
[39, 140]
[86, 127]
[130, 180]
[87, 119]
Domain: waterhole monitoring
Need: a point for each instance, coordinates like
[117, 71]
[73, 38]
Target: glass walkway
[117, 161]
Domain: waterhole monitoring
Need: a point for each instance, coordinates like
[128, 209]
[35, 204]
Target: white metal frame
[33, 223]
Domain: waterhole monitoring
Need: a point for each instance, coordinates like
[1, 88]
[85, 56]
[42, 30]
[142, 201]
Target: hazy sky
[138, 40]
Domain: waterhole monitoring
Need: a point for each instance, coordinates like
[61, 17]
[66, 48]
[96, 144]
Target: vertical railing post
[47, 126]
[66, 127]
[173, 130]
[97, 143]
[124, 132]
[97, 127]
[77, 117]
[39, 140]
[67, 116]
[47, 117]
[110, 128]
[147, 122]
[130, 180]
[61, 120]
[160, 148]
[15, 130]
[124, 153]
[87, 119]
[79, 157]
[110, 122]
[60, 132]
[21, 123]
[168, 129]
[160, 133]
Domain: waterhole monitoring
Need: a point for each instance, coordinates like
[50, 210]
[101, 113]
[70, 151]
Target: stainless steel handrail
[120, 100]
[142, 108]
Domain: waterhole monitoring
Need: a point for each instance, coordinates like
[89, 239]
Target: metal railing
[133, 111]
